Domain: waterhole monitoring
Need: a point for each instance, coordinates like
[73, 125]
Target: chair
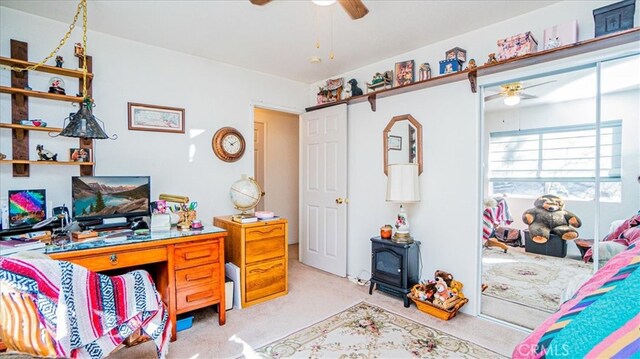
[40, 314]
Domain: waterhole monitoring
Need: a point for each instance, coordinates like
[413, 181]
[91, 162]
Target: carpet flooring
[313, 296]
[368, 331]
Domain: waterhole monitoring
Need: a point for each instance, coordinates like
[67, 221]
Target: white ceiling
[278, 38]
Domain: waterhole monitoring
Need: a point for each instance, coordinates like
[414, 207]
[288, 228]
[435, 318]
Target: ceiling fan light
[512, 100]
[324, 2]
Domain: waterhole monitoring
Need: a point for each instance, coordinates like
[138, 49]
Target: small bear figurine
[549, 216]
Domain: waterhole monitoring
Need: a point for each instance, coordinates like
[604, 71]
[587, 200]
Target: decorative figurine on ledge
[383, 80]
[46, 155]
[553, 43]
[472, 65]
[424, 72]
[355, 90]
[2, 156]
[78, 50]
[56, 85]
[331, 92]
[59, 61]
[492, 59]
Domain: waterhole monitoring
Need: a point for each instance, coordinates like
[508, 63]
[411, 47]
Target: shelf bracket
[372, 100]
[19, 134]
[473, 77]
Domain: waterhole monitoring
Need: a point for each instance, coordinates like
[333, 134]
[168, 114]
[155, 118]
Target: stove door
[387, 266]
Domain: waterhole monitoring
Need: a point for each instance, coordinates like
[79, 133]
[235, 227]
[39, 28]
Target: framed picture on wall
[155, 118]
[394, 143]
[404, 73]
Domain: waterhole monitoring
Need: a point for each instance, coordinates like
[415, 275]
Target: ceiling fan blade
[259, 2]
[493, 97]
[355, 8]
[525, 96]
[540, 84]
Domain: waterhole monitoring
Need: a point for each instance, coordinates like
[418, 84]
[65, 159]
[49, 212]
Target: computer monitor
[27, 207]
[100, 197]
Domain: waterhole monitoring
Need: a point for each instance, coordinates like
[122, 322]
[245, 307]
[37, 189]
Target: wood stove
[394, 267]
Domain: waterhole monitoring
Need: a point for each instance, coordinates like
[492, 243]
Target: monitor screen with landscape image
[99, 197]
[27, 207]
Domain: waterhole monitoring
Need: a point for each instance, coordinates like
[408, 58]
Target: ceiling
[278, 38]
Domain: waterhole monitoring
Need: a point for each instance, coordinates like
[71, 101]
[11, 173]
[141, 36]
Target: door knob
[341, 200]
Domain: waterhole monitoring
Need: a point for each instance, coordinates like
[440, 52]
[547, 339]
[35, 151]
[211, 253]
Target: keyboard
[108, 225]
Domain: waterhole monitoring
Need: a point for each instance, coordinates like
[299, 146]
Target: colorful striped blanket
[602, 320]
[89, 314]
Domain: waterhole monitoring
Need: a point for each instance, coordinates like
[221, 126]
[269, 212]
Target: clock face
[228, 144]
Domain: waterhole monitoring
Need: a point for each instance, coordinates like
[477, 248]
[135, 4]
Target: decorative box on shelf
[450, 66]
[559, 35]
[517, 45]
[615, 17]
[457, 53]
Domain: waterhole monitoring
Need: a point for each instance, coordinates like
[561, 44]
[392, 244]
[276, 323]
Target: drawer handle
[199, 275]
[114, 259]
[195, 255]
[199, 296]
[258, 270]
[269, 231]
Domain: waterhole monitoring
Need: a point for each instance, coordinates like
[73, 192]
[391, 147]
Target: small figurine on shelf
[59, 61]
[2, 156]
[78, 50]
[472, 65]
[355, 90]
[56, 85]
[492, 59]
[553, 43]
[45, 155]
[424, 73]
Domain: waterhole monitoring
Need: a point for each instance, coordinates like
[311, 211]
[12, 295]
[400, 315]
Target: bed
[602, 320]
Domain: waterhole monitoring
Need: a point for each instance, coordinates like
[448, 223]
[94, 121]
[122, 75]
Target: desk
[189, 265]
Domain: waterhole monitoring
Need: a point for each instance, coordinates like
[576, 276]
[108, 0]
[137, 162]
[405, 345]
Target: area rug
[529, 279]
[368, 331]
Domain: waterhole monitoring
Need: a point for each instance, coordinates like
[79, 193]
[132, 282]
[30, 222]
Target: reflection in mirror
[403, 142]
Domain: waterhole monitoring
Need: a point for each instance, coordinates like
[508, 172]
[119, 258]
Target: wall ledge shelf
[45, 95]
[30, 128]
[55, 163]
[7, 61]
[580, 47]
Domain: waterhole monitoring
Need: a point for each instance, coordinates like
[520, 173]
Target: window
[557, 160]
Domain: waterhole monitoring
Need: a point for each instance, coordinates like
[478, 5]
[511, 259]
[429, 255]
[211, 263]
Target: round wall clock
[228, 144]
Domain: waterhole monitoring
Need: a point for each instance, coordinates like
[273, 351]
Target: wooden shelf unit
[580, 47]
[20, 109]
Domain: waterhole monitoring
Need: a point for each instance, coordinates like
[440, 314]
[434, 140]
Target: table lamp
[403, 186]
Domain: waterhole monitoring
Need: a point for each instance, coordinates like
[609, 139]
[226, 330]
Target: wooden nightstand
[260, 251]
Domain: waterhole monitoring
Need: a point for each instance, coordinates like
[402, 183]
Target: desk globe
[245, 194]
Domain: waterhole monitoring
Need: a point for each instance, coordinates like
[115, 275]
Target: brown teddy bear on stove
[549, 216]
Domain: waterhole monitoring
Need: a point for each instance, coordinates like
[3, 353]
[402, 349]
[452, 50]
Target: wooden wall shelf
[581, 47]
[7, 61]
[30, 128]
[45, 95]
[55, 163]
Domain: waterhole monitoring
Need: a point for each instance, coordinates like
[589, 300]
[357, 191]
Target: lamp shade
[403, 185]
[83, 124]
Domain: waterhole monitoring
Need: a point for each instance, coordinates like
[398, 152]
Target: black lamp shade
[84, 124]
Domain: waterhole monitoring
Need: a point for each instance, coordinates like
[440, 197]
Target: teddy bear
[549, 216]
[442, 291]
[446, 276]
[456, 289]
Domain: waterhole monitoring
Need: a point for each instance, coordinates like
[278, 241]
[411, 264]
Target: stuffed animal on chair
[549, 216]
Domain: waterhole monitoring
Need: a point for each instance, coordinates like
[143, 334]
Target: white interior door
[323, 189]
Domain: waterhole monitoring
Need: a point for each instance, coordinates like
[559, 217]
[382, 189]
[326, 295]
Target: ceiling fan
[355, 8]
[512, 93]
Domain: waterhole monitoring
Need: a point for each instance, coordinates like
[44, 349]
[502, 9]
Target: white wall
[623, 106]
[213, 94]
[281, 166]
[446, 221]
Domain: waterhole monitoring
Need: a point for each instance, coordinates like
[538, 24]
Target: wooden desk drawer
[198, 275]
[265, 279]
[121, 259]
[257, 233]
[267, 248]
[197, 297]
[191, 255]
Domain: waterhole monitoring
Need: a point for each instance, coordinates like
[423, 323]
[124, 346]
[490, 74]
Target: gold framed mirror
[402, 142]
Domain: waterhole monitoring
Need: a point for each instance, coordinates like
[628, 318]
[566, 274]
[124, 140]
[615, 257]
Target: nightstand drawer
[198, 296]
[191, 255]
[198, 275]
[265, 279]
[257, 233]
[268, 248]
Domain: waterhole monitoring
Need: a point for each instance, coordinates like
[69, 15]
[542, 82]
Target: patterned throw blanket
[86, 313]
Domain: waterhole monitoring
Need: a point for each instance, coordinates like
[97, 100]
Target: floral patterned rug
[368, 331]
[530, 279]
